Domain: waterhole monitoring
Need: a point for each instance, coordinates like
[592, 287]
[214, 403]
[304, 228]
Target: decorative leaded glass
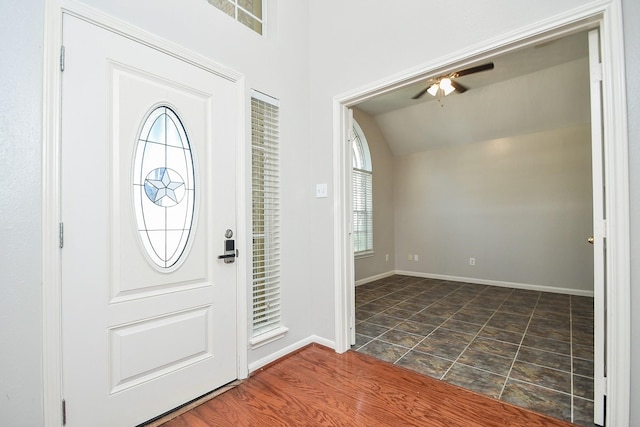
[163, 187]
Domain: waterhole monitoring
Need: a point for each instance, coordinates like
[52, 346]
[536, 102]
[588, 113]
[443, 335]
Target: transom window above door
[247, 12]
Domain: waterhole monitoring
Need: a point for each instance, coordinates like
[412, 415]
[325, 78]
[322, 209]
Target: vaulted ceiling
[533, 89]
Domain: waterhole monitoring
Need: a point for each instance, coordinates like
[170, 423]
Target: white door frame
[51, 253]
[606, 15]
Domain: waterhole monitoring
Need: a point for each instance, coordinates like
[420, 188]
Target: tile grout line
[430, 333]
[477, 333]
[543, 387]
[441, 327]
[392, 328]
[515, 357]
[451, 318]
[571, 353]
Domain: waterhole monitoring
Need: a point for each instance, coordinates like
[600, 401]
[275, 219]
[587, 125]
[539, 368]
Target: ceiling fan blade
[458, 87]
[422, 92]
[477, 69]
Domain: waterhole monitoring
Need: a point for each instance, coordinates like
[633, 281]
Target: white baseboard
[527, 286]
[374, 278]
[293, 347]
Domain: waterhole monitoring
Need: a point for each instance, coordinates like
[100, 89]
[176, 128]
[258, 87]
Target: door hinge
[64, 412]
[61, 237]
[603, 228]
[62, 58]
[596, 72]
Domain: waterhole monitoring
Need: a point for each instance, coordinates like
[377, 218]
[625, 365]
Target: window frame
[362, 172]
[266, 319]
[235, 10]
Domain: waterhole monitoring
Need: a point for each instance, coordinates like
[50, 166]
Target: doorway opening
[345, 290]
[496, 294]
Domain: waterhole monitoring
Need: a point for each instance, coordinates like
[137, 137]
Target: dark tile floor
[533, 349]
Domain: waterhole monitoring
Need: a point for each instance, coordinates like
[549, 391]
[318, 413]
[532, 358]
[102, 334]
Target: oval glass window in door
[163, 188]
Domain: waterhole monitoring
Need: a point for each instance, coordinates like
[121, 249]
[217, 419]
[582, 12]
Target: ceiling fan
[447, 84]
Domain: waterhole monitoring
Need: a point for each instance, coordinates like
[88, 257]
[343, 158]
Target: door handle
[229, 256]
[591, 240]
[230, 251]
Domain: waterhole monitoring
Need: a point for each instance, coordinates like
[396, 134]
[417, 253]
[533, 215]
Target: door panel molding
[51, 197]
[142, 336]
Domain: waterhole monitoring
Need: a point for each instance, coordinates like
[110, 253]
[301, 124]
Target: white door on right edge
[598, 239]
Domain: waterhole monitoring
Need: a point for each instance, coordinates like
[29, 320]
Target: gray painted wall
[520, 206]
[21, 34]
[383, 223]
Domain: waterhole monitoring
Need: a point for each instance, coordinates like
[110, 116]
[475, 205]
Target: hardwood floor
[318, 387]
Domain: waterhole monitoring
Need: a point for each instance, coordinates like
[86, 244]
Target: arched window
[362, 194]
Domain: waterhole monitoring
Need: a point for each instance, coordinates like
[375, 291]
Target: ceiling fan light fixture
[444, 82]
[433, 89]
[445, 85]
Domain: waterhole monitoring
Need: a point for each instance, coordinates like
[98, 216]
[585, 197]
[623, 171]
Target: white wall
[20, 208]
[631, 10]
[383, 224]
[521, 206]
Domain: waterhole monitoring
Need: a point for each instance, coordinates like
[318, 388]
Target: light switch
[321, 190]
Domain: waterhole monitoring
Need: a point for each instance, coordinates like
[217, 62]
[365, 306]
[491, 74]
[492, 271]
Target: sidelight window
[265, 166]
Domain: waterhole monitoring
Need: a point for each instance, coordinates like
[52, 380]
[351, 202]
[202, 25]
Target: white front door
[148, 193]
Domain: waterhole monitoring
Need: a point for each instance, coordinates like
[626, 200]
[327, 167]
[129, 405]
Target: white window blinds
[266, 213]
[362, 211]
[362, 194]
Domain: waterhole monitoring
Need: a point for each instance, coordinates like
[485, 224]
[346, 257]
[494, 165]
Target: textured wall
[20, 209]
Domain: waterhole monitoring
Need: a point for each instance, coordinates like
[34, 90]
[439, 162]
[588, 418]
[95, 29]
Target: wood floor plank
[318, 387]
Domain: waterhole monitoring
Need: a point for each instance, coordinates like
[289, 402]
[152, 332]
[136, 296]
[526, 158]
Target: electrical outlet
[321, 191]
[472, 261]
[386, 257]
[410, 257]
[415, 257]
